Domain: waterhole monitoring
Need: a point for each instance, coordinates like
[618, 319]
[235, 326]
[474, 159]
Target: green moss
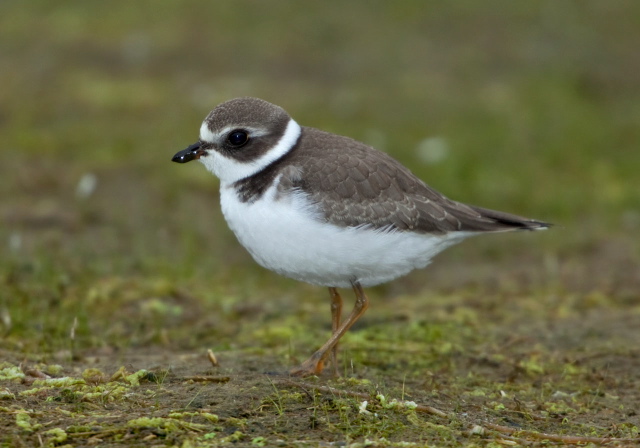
[10, 372]
[147, 422]
[25, 422]
[135, 378]
[6, 394]
[93, 375]
[59, 382]
[206, 415]
[237, 436]
[56, 436]
[52, 369]
[36, 391]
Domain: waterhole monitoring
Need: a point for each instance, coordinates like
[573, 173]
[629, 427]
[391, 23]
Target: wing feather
[355, 185]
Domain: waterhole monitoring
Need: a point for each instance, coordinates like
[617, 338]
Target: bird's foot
[312, 366]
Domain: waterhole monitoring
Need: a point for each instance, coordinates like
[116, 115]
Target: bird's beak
[192, 152]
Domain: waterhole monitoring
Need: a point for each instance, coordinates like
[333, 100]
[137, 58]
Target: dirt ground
[517, 380]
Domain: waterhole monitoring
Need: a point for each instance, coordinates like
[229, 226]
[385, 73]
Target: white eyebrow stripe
[207, 136]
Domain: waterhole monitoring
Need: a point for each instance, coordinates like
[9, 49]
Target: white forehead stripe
[205, 133]
[230, 170]
[207, 136]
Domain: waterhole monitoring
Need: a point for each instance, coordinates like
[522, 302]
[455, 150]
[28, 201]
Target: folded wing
[357, 186]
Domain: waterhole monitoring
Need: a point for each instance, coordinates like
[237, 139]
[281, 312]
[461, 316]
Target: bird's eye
[237, 138]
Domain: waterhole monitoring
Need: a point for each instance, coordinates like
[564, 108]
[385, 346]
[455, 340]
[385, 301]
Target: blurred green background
[527, 107]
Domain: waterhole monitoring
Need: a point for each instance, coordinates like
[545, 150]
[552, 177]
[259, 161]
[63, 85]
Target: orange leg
[336, 315]
[315, 363]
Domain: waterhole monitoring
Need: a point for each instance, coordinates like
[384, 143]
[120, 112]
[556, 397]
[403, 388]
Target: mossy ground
[118, 273]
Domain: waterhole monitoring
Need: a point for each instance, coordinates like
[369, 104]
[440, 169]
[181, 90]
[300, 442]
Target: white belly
[283, 234]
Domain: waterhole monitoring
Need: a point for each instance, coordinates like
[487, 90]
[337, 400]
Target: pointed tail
[507, 221]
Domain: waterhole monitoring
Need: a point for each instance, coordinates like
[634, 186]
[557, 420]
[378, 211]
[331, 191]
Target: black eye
[237, 138]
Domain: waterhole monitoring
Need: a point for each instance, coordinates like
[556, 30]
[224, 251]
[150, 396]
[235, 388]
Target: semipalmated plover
[326, 209]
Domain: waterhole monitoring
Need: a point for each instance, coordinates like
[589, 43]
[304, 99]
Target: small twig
[96, 433]
[480, 430]
[212, 358]
[558, 437]
[208, 379]
[516, 440]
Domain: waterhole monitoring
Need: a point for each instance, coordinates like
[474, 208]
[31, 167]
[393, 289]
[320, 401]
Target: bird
[327, 209]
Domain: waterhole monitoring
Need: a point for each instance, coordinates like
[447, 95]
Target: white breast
[285, 234]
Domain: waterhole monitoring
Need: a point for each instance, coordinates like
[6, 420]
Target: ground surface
[118, 273]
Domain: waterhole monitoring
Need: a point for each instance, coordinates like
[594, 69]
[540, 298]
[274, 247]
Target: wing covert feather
[355, 185]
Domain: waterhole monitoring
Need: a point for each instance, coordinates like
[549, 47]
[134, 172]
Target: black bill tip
[192, 152]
